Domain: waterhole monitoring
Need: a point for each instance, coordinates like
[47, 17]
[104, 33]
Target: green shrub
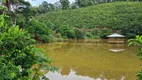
[105, 32]
[40, 30]
[96, 32]
[44, 38]
[37, 27]
[67, 31]
[58, 35]
[80, 33]
[49, 38]
[89, 35]
[50, 25]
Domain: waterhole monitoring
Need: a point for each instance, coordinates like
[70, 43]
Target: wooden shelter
[115, 38]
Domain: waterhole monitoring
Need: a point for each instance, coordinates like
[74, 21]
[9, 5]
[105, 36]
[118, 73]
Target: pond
[81, 60]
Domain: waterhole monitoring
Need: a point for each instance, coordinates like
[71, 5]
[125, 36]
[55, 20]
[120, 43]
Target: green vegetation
[19, 59]
[46, 23]
[138, 41]
[39, 31]
[65, 4]
[83, 19]
[124, 17]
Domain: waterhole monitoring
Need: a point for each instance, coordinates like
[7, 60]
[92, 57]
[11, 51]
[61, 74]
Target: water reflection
[71, 76]
[93, 60]
[116, 47]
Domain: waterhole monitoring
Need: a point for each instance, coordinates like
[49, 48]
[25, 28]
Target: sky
[37, 2]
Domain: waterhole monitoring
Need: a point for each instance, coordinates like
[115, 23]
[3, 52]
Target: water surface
[80, 60]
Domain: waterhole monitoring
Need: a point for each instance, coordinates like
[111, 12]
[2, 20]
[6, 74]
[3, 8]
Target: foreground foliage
[138, 41]
[19, 59]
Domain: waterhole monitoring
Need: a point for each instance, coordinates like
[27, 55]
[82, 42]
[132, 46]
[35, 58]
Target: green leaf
[4, 1]
[12, 75]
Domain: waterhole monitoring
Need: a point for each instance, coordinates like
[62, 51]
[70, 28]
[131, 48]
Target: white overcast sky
[37, 2]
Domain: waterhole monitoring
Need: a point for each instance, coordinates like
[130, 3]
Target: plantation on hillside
[124, 17]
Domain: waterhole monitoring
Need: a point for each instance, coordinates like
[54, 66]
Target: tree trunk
[15, 19]
[7, 4]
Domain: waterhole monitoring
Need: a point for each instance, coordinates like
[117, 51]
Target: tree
[65, 4]
[51, 7]
[45, 7]
[78, 2]
[58, 5]
[45, 4]
[14, 7]
[137, 41]
[90, 2]
[84, 3]
[74, 6]
[18, 55]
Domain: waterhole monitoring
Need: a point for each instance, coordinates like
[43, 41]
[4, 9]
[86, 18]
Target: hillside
[123, 16]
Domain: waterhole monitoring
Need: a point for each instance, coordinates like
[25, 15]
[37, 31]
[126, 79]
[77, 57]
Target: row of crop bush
[123, 16]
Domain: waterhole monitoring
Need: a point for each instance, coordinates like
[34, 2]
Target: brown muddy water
[80, 60]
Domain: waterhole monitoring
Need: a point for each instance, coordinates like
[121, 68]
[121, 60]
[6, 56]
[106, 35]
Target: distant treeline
[66, 5]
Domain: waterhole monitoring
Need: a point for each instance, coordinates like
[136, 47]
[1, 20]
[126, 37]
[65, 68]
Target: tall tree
[42, 9]
[51, 7]
[45, 4]
[57, 5]
[74, 6]
[65, 4]
[15, 6]
[84, 3]
[78, 2]
[45, 7]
